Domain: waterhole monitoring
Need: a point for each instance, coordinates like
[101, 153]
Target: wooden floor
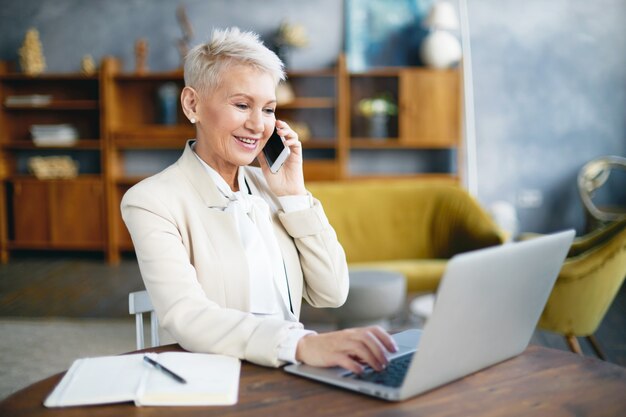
[57, 285]
[54, 285]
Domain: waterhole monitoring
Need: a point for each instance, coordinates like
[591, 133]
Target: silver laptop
[488, 304]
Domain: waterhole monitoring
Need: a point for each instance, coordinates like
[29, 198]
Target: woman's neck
[227, 171]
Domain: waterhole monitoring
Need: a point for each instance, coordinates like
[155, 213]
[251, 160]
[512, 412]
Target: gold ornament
[32, 60]
[301, 128]
[141, 56]
[87, 65]
[292, 35]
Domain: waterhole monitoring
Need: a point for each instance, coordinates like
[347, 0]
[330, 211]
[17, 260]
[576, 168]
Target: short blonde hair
[204, 63]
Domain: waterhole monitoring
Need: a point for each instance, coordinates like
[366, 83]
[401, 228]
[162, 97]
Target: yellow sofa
[408, 226]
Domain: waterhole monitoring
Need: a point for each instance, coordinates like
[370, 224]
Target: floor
[80, 303]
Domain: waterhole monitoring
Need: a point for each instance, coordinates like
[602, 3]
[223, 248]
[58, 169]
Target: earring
[192, 120]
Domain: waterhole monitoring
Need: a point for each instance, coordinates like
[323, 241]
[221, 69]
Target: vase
[168, 95]
[440, 50]
[377, 126]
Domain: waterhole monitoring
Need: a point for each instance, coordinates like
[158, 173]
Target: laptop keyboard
[392, 376]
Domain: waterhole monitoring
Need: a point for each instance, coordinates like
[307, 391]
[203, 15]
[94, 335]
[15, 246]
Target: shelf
[54, 246]
[394, 143]
[319, 143]
[146, 133]
[309, 103]
[328, 72]
[80, 177]
[176, 75]
[57, 105]
[395, 71]
[374, 143]
[82, 144]
[378, 72]
[154, 143]
[73, 77]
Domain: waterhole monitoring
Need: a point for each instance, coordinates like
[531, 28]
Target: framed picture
[383, 33]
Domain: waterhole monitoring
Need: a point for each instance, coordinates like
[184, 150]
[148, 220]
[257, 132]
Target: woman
[227, 251]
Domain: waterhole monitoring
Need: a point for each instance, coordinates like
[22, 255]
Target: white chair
[139, 303]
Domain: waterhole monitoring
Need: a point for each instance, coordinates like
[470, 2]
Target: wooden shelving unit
[67, 214]
[428, 116]
[117, 117]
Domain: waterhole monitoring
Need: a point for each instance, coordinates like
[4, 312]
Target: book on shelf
[28, 100]
[54, 135]
[208, 380]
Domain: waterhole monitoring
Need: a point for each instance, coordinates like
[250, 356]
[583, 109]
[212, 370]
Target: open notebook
[211, 380]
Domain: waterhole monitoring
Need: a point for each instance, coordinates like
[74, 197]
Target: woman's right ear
[189, 102]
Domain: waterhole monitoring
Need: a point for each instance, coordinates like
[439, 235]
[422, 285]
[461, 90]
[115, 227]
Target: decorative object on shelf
[302, 129]
[377, 111]
[141, 56]
[168, 94]
[53, 167]
[289, 36]
[186, 29]
[87, 65]
[54, 135]
[33, 100]
[441, 49]
[32, 60]
[284, 93]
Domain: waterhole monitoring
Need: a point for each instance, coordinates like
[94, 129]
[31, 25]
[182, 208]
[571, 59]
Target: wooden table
[541, 381]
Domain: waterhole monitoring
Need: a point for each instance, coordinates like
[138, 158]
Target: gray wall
[70, 29]
[549, 76]
[550, 94]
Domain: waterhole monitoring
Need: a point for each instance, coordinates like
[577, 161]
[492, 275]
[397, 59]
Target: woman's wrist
[301, 347]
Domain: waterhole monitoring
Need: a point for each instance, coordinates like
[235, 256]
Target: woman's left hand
[289, 180]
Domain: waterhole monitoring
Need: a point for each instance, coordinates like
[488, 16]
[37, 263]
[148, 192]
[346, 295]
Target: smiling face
[235, 119]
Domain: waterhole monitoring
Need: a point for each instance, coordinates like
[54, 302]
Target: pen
[164, 369]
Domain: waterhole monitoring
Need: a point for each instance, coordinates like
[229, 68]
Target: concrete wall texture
[549, 77]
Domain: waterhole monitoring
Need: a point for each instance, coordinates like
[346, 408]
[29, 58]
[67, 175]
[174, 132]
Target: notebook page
[211, 380]
[102, 380]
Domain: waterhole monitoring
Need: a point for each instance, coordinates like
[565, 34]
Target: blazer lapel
[199, 179]
[220, 228]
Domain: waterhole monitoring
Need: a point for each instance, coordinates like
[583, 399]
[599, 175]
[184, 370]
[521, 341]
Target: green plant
[380, 104]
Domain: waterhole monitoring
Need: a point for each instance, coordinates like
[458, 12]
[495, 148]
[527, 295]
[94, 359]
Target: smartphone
[275, 151]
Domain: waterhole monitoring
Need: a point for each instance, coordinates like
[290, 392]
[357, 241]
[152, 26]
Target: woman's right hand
[350, 349]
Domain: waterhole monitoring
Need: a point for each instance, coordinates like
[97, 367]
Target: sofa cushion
[398, 220]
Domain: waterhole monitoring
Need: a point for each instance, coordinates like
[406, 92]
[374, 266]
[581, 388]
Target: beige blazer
[194, 268]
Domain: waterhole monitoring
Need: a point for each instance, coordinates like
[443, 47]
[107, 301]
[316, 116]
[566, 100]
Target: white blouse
[269, 292]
